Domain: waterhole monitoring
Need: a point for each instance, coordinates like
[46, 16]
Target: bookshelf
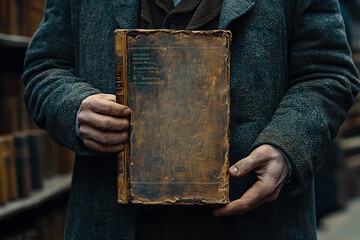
[44, 209]
[14, 41]
[54, 187]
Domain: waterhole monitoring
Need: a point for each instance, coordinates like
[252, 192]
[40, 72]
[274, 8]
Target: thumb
[246, 165]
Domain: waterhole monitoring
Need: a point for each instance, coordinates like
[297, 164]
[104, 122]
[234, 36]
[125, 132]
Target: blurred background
[35, 172]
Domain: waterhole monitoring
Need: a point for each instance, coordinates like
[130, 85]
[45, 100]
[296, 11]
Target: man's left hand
[270, 167]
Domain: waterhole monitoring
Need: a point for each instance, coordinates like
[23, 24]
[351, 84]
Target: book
[34, 138]
[10, 84]
[3, 15]
[9, 118]
[176, 84]
[14, 20]
[33, 12]
[22, 160]
[4, 196]
[8, 155]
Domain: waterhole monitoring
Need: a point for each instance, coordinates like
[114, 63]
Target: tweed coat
[292, 81]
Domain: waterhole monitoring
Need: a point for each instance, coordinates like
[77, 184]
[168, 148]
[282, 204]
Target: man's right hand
[103, 123]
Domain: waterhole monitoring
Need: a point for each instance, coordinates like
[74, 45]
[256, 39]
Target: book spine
[3, 15]
[3, 180]
[34, 157]
[13, 17]
[122, 98]
[7, 153]
[22, 163]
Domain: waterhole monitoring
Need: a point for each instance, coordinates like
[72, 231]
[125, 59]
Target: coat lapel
[126, 12]
[232, 9]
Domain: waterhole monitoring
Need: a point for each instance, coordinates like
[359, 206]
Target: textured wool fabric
[292, 81]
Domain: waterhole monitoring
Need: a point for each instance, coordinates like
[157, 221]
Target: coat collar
[232, 9]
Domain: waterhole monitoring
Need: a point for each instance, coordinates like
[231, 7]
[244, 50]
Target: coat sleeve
[53, 91]
[322, 85]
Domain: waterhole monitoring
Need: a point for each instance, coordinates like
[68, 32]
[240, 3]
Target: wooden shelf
[350, 143]
[17, 41]
[53, 187]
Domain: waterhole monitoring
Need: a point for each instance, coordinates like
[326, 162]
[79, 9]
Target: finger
[103, 122]
[256, 159]
[103, 148]
[256, 195]
[110, 97]
[104, 105]
[245, 166]
[103, 138]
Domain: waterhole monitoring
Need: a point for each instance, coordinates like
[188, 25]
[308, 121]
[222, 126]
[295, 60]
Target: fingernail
[234, 170]
[127, 111]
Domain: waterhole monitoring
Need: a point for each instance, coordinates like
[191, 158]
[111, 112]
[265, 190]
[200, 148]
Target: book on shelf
[10, 84]
[22, 159]
[21, 17]
[4, 192]
[9, 118]
[8, 156]
[176, 84]
[3, 15]
[34, 138]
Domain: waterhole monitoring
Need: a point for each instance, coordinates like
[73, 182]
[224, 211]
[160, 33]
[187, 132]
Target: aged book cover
[177, 85]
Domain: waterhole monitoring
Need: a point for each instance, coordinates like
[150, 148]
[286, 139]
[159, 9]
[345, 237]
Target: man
[292, 81]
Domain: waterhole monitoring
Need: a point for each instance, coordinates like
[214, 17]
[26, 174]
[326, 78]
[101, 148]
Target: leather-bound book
[9, 118]
[14, 17]
[176, 84]
[4, 193]
[35, 151]
[8, 155]
[22, 163]
[33, 12]
[3, 15]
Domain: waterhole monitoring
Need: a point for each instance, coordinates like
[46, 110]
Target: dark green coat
[292, 81]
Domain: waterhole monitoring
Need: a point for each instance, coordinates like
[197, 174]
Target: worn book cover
[176, 84]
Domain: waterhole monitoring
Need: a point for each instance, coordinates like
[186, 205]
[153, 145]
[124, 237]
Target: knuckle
[82, 131]
[81, 117]
[246, 163]
[102, 138]
[104, 123]
[90, 144]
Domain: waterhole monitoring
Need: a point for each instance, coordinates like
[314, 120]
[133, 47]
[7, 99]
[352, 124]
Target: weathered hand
[271, 169]
[103, 123]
